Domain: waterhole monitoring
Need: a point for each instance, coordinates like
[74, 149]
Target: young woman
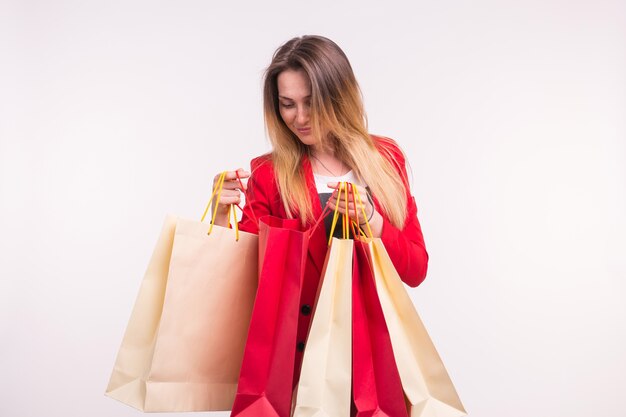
[317, 127]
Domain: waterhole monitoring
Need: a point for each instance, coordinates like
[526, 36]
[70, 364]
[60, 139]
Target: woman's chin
[307, 139]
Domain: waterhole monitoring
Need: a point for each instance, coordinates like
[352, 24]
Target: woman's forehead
[293, 84]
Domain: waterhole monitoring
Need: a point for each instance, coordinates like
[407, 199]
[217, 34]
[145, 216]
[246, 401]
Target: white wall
[512, 114]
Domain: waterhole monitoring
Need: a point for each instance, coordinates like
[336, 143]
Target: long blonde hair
[336, 108]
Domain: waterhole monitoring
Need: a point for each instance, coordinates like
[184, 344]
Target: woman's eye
[286, 105]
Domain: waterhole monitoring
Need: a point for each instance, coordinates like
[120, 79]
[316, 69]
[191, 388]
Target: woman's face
[294, 102]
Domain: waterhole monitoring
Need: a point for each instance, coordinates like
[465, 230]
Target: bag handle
[244, 191]
[367, 223]
[217, 190]
[340, 189]
[351, 192]
[346, 223]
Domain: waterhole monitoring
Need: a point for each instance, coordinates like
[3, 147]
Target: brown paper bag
[324, 388]
[184, 342]
[425, 381]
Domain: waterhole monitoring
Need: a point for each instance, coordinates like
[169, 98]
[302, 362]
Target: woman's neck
[324, 162]
[321, 148]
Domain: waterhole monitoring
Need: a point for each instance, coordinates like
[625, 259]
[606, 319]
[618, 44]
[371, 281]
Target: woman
[317, 127]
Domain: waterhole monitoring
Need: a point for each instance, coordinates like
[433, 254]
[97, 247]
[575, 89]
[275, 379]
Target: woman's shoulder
[262, 164]
[262, 180]
[389, 148]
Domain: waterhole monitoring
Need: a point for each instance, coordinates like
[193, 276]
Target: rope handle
[340, 189]
[352, 191]
[346, 223]
[217, 190]
[367, 223]
[325, 212]
[244, 191]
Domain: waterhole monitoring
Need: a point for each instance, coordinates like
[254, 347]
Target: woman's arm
[405, 246]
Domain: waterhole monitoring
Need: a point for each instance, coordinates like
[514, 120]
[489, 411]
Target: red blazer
[405, 246]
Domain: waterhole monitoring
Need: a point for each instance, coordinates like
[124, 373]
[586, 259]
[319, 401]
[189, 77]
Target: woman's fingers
[226, 200]
[232, 175]
[230, 193]
[361, 191]
[231, 187]
[232, 178]
[235, 176]
[355, 206]
[234, 185]
[353, 211]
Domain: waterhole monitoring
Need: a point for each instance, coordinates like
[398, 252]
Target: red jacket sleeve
[261, 189]
[405, 246]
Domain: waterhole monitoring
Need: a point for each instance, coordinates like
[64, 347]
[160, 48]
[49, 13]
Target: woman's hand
[374, 219]
[231, 194]
[355, 207]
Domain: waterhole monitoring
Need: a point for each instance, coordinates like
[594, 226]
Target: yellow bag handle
[367, 223]
[346, 222]
[217, 189]
[336, 213]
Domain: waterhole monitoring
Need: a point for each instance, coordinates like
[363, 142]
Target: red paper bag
[265, 381]
[376, 385]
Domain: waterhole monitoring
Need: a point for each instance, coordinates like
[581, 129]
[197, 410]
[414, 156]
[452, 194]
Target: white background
[512, 114]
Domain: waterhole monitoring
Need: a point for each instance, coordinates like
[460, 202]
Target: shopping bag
[325, 378]
[265, 381]
[184, 342]
[377, 389]
[425, 381]
[324, 386]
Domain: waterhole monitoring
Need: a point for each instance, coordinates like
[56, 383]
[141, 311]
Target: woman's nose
[303, 116]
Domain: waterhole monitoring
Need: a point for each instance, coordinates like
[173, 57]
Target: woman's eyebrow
[287, 98]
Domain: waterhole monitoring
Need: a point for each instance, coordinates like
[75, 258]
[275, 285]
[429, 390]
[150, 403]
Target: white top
[322, 180]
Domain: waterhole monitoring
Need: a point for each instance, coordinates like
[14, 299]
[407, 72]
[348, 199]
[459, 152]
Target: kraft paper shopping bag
[425, 381]
[324, 388]
[184, 343]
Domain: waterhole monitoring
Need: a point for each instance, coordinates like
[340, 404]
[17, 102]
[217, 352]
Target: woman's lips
[304, 131]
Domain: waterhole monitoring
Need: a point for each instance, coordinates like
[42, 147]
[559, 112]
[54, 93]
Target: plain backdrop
[512, 115]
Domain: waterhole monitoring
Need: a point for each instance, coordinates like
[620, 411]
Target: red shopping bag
[266, 378]
[376, 385]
